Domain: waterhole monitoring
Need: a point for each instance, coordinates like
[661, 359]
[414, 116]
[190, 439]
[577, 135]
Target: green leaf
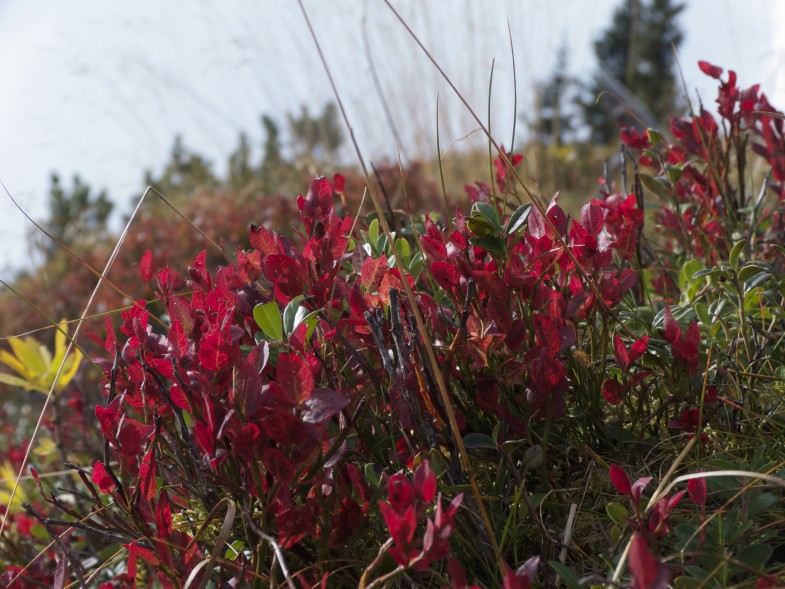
[657, 185]
[292, 314]
[760, 503]
[491, 243]
[488, 212]
[755, 556]
[655, 137]
[617, 512]
[735, 252]
[533, 457]
[518, 218]
[268, 318]
[480, 226]
[475, 441]
[495, 433]
[511, 446]
[416, 265]
[710, 272]
[373, 234]
[235, 549]
[567, 575]
[373, 474]
[403, 249]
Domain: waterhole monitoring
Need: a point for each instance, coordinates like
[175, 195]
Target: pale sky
[101, 88]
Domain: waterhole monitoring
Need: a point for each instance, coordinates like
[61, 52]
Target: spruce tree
[637, 65]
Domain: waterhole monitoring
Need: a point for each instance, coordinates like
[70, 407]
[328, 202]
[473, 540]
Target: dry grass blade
[223, 534]
[74, 337]
[445, 397]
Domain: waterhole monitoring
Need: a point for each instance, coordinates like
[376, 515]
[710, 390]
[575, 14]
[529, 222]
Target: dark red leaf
[295, 378]
[147, 475]
[425, 482]
[323, 404]
[445, 275]
[647, 571]
[638, 348]
[102, 478]
[620, 351]
[593, 218]
[672, 329]
[612, 391]
[620, 480]
[400, 492]
[163, 515]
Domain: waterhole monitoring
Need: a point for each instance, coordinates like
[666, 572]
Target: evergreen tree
[241, 172]
[184, 172]
[77, 217]
[553, 122]
[316, 136]
[636, 64]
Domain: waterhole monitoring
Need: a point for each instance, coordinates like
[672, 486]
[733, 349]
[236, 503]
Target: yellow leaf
[7, 481]
[26, 351]
[14, 364]
[45, 447]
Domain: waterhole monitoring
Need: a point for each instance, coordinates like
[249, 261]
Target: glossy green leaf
[735, 252]
[518, 218]
[268, 318]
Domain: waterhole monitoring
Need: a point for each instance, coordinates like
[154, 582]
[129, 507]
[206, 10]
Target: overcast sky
[102, 88]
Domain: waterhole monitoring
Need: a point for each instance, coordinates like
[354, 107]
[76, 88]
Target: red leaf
[135, 551]
[710, 70]
[401, 526]
[372, 272]
[317, 205]
[620, 480]
[593, 218]
[178, 343]
[612, 391]
[323, 404]
[620, 351]
[425, 482]
[146, 266]
[672, 329]
[263, 240]
[180, 399]
[638, 348]
[339, 183]
[216, 353]
[647, 571]
[445, 275]
[101, 478]
[163, 515]
[147, 475]
[400, 492]
[111, 339]
[295, 378]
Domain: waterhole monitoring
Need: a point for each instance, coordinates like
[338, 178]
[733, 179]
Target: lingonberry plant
[276, 421]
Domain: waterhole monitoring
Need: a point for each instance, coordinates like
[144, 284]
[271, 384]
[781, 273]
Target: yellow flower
[35, 366]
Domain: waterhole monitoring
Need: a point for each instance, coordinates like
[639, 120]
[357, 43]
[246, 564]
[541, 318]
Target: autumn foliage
[276, 420]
